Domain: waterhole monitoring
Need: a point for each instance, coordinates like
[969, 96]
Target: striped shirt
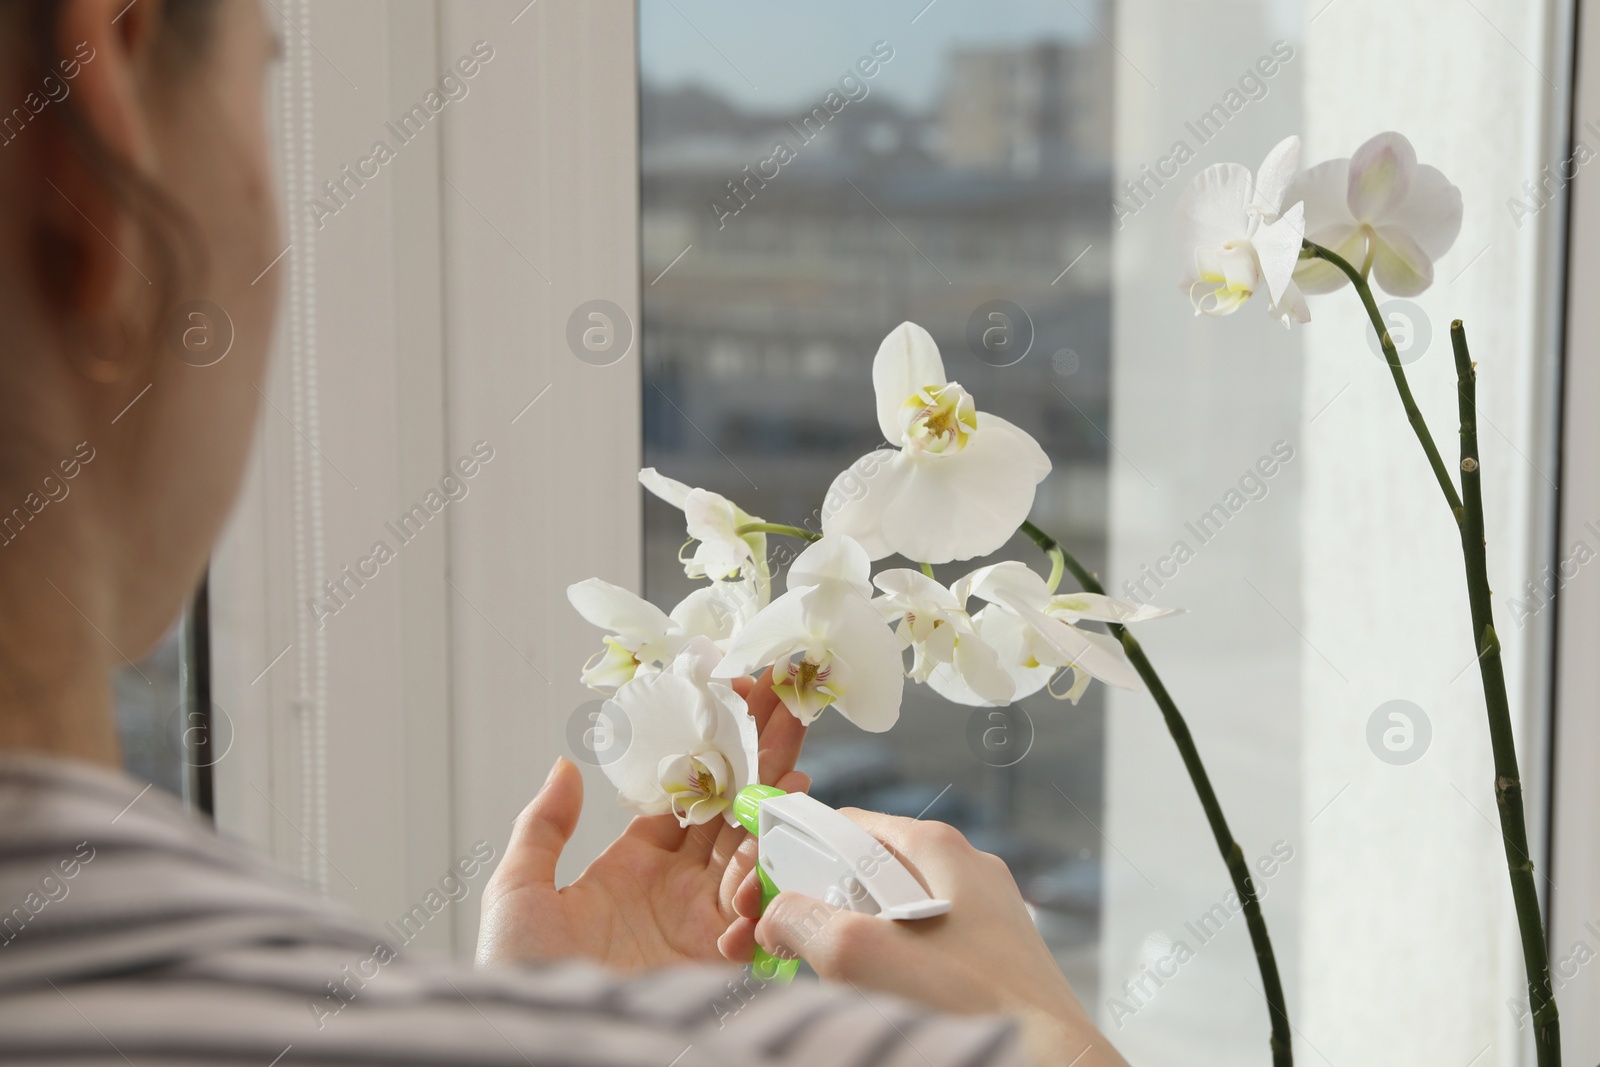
[132, 934]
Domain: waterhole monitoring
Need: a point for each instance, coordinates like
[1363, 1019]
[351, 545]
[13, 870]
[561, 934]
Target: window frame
[373, 753]
[1574, 852]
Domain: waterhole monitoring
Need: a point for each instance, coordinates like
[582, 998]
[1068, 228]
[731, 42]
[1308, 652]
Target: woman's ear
[92, 260]
[107, 46]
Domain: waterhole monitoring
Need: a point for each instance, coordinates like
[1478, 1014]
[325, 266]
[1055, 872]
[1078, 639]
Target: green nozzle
[747, 804]
[746, 808]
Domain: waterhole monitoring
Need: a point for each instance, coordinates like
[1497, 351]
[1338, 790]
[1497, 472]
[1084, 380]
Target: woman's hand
[983, 957]
[660, 894]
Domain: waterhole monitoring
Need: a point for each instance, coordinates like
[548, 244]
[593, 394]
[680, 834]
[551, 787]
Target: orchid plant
[1377, 216]
[955, 483]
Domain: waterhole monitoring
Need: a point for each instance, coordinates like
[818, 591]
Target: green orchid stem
[1397, 371]
[1232, 854]
[1507, 780]
[776, 528]
[927, 568]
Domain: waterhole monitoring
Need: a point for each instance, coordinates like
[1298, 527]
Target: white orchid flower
[936, 626]
[1034, 633]
[958, 482]
[692, 742]
[1237, 237]
[1004, 631]
[721, 553]
[826, 642]
[1379, 209]
[642, 638]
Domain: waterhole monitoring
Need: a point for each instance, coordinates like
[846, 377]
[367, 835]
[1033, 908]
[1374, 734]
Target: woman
[134, 177]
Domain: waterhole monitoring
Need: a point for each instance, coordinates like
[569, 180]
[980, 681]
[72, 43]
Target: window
[882, 171]
[1009, 166]
[1014, 152]
[149, 703]
[170, 733]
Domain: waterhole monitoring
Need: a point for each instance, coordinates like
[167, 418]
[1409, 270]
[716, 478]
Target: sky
[767, 56]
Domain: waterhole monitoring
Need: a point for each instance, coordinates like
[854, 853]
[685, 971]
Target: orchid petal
[1212, 212]
[717, 764]
[612, 667]
[944, 637]
[1006, 634]
[1274, 176]
[1324, 189]
[859, 496]
[907, 361]
[979, 665]
[775, 633]
[938, 646]
[1277, 246]
[949, 683]
[834, 558]
[738, 737]
[1099, 608]
[968, 503]
[716, 610]
[1318, 275]
[1430, 214]
[1240, 270]
[876, 670]
[907, 585]
[1011, 579]
[1380, 176]
[618, 610]
[1100, 655]
[696, 660]
[674, 767]
[672, 491]
[1399, 264]
[1292, 306]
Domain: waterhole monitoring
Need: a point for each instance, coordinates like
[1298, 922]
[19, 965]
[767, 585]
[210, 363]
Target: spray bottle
[807, 847]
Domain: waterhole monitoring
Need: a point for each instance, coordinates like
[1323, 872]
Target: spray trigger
[807, 847]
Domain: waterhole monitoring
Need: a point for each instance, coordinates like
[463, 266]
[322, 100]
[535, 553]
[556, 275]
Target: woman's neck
[73, 721]
[56, 661]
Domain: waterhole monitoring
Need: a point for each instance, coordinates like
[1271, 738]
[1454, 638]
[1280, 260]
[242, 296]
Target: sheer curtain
[1336, 589]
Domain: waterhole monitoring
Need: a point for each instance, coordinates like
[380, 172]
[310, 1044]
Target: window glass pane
[1027, 160]
[149, 703]
[825, 177]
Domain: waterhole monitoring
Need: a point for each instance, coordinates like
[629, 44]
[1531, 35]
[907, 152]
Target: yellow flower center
[938, 419]
[690, 783]
[803, 684]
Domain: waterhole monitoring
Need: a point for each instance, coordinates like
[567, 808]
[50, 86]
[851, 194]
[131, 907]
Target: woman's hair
[176, 257]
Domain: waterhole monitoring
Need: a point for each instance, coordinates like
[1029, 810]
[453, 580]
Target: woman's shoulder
[129, 931]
